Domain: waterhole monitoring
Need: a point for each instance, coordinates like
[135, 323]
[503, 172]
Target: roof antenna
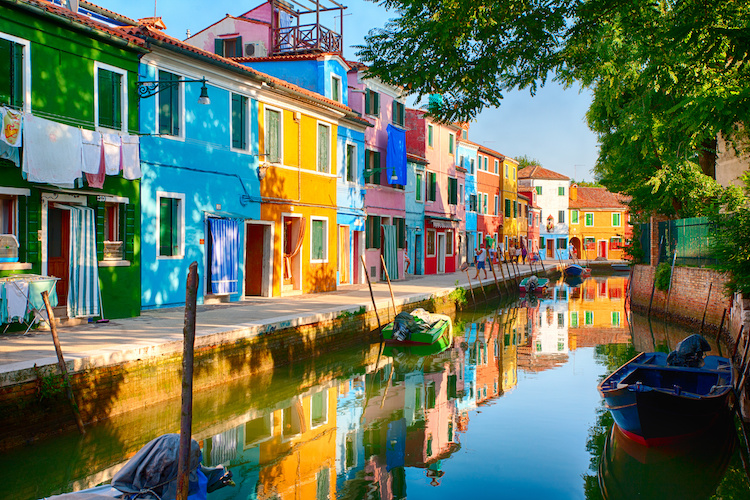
[154, 8]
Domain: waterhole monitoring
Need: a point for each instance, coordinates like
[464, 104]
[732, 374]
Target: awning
[226, 215]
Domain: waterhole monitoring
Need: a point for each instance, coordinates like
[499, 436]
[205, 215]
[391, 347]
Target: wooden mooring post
[390, 289]
[372, 296]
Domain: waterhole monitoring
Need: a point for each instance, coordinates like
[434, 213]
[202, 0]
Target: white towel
[52, 151]
[111, 153]
[91, 141]
[131, 159]
[16, 294]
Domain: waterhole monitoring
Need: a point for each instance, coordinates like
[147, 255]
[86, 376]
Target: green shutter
[105, 98]
[376, 111]
[99, 220]
[219, 46]
[418, 191]
[128, 237]
[324, 145]
[166, 232]
[368, 97]
[238, 47]
[507, 207]
[169, 106]
[317, 240]
[273, 149]
[433, 186]
[238, 121]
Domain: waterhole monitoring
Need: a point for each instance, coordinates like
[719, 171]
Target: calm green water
[509, 411]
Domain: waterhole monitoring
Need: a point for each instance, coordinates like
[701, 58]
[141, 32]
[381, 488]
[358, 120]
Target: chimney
[72, 5]
[574, 192]
[153, 22]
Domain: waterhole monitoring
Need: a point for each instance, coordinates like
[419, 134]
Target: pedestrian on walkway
[523, 253]
[406, 258]
[481, 259]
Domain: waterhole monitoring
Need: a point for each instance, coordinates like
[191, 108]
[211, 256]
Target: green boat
[420, 328]
[529, 285]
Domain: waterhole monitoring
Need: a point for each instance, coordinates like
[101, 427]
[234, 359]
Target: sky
[549, 127]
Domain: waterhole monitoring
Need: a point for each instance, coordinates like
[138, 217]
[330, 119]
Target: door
[254, 259]
[418, 252]
[344, 249]
[441, 253]
[603, 248]
[58, 250]
[550, 249]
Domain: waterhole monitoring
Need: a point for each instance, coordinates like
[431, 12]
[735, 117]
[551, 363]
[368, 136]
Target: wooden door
[254, 260]
[550, 249]
[344, 250]
[58, 250]
[603, 249]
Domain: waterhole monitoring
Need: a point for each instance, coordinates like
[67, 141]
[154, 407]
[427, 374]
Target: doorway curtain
[83, 282]
[224, 234]
[390, 250]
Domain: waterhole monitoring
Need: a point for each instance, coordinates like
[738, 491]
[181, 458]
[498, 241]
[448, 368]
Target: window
[615, 318]
[430, 243]
[480, 161]
[169, 105]
[318, 409]
[515, 209]
[574, 319]
[228, 47]
[507, 168]
[14, 63]
[471, 164]
[538, 190]
[399, 113]
[589, 219]
[616, 219]
[461, 199]
[449, 243]
[113, 248]
[480, 238]
[541, 243]
[451, 139]
[372, 166]
[561, 190]
[431, 186]
[372, 103]
[514, 173]
[372, 232]
[400, 224]
[239, 121]
[484, 203]
[497, 205]
[562, 243]
[351, 163]
[272, 137]
[418, 189]
[472, 203]
[335, 88]
[507, 208]
[497, 167]
[561, 216]
[111, 97]
[9, 214]
[486, 162]
[323, 485]
[452, 191]
[615, 243]
[574, 216]
[429, 135]
[561, 320]
[324, 148]
[170, 224]
[318, 239]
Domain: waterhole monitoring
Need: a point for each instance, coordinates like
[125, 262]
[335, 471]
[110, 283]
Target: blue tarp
[224, 254]
[395, 160]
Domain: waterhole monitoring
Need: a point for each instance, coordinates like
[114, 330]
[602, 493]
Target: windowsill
[14, 266]
[319, 261]
[114, 263]
[240, 150]
[169, 257]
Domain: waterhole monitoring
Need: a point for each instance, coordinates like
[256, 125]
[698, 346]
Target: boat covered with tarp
[533, 284]
[420, 328]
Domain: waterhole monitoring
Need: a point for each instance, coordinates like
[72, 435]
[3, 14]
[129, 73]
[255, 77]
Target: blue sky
[549, 126]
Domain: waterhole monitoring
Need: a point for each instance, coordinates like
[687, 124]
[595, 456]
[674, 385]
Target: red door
[58, 250]
[603, 249]
[254, 260]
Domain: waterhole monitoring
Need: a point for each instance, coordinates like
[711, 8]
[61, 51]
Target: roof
[294, 57]
[416, 159]
[537, 172]
[598, 197]
[228, 16]
[486, 150]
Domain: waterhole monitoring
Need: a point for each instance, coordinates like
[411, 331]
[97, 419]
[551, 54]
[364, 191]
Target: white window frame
[123, 95]
[341, 88]
[181, 197]
[497, 166]
[317, 146]
[585, 219]
[280, 111]
[497, 204]
[619, 216]
[426, 246]
[247, 124]
[26, 68]
[355, 166]
[325, 407]
[325, 240]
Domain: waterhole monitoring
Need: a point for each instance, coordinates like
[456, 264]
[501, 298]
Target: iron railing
[689, 238]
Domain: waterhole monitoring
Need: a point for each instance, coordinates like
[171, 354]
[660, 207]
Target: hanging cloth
[52, 152]
[10, 153]
[91, 144]
[395, 160]
[390, 251]
[224, 235]
[83, 283]
[112, 154]
[131, 160]
[12, 125]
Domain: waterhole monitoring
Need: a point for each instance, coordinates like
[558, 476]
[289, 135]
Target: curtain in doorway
[83, 282]
[390, 250]
[225, 251]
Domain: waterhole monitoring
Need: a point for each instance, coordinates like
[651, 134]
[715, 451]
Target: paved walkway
[157, 332]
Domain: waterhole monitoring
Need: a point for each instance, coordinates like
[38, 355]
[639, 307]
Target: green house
[69, 195]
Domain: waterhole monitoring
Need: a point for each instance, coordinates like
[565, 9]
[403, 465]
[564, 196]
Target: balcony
[293, 36]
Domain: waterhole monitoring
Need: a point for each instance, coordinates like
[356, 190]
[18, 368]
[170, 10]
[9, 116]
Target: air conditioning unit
[255, 49]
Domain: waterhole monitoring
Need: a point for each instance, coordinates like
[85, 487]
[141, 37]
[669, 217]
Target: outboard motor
[689, 352]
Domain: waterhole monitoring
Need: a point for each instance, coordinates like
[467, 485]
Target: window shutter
[376, 110]
[219, 46]
[106, 104]
[34, 223]
[99, 218]
[368, 97]
[317, 239]
[377, 174]
[323, 147]
[128, 236]
[238, 47]
[175, 103]
[377, 231]
[165, 220]
[23, 236]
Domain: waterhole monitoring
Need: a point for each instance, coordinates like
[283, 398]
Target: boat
[420, 328]
[576, 270]
[536, 285]
[620, 266]
[657, 399]
[574, 281]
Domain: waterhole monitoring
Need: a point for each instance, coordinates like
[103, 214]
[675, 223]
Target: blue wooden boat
[576, 270]
[655, 403]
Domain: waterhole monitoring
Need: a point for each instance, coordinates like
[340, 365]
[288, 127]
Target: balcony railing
[306, 38]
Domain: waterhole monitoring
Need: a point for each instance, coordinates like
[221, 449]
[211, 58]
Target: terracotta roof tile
[596, 197]
[537, 172]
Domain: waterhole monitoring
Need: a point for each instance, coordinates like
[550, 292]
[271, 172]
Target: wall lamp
[151, 88]
[368, 172]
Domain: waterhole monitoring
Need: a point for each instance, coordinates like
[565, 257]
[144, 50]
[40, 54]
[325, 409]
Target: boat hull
[574, 270]
[656, 404]
[439, 336]
[539, 290]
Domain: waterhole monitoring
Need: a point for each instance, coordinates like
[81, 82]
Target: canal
[510, 410]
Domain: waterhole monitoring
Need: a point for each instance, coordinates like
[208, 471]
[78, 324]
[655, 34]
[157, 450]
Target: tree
[525, 161]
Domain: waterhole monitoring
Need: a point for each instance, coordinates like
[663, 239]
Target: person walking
[523, 253]
[481, 259]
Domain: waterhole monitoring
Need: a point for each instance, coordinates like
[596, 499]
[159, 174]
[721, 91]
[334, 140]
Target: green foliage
[663, 275]
[635, 251]
[458, 296]
[351, 314]
[49, 386]
[525, 161]
[730, 243]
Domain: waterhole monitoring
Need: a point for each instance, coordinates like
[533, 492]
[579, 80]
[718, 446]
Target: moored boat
[533, 284]
[657, 399]
[620, 266]
[420, 328]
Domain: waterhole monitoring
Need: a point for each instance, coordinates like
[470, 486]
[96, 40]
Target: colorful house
[414, 203]
[599, 223]
[511, 230]
[68, 92]
[436, 142]
[552, 198]
[532, 223]
[467, 195]
[490, 219]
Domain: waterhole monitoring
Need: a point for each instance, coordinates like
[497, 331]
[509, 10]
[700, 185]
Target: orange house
[599, 223]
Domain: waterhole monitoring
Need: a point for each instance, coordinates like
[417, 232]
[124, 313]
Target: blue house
[415, 198]
[466, 158]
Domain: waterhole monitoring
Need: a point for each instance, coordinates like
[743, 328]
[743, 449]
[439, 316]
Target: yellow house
[599, 223]
[509, 180]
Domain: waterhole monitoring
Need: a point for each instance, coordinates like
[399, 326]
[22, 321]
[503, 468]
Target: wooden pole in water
[188, 350]
[653, 287]
[505, 282]
[737, 342]
[367, 275]
[669, 290]
[388, 279]
[494, 275]
[465, 267]
[705, 309]
[721, 326]
[61, 362]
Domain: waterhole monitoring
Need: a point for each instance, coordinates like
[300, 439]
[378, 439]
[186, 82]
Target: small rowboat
[420, 328]
[539, 288]
[656, 403]
[576, 270]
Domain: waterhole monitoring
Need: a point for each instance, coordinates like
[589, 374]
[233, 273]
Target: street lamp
[151, 88]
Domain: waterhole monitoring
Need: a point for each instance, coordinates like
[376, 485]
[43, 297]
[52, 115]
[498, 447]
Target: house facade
[414, 202]
[599, 223]
[552, 198]
[509, 178]
[490, 217]
[467, 196]
[532, 223]
[70, 182]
